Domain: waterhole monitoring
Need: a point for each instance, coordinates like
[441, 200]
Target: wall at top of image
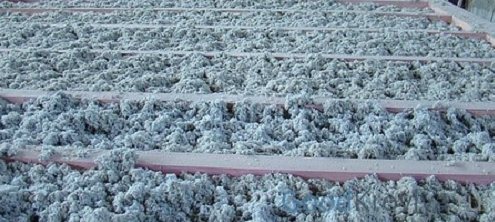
[482, 8]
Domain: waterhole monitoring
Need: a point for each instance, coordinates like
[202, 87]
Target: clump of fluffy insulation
[116, 191]
[258, 4]
[190, 19]
[343, 129]
[84, 70]
[350, 42]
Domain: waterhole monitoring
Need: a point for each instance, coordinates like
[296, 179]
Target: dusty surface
[342, 130]
[116, 191]
[82, 70]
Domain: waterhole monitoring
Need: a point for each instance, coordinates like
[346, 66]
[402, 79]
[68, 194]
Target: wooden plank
[332, 169]
[430, 16]
[455, 20]
[465, 20]
[21, 96]
[276, 55]
[475, 108]
[463, 34]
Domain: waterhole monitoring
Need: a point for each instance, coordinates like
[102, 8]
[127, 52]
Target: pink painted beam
[455, 20]
[475, 108]
[276, 55]
[332, 169]
[402, 4]
[463, 34]
[465, 20]
[394, 106]
[21, 96]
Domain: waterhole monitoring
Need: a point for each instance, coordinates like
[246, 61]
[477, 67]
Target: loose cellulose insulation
[116, 191]
[341, 129]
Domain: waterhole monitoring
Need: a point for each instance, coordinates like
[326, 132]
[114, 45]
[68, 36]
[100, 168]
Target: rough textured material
[82, 70]
[294, 4]
[268, 41]
[343, 130]
[116, 191]
[186, 19]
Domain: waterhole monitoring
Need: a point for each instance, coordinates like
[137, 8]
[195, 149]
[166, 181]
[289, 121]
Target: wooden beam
[276, 55]
[20, 96]
[455, 20]
[465, 20]
[332, 169]
[475, 108]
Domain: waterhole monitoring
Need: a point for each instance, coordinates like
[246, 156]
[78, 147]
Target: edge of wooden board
[466, 20]
[394, 106]
[333, 169]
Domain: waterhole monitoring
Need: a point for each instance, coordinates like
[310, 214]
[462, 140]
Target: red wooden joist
[332, 169]
[21, 96]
